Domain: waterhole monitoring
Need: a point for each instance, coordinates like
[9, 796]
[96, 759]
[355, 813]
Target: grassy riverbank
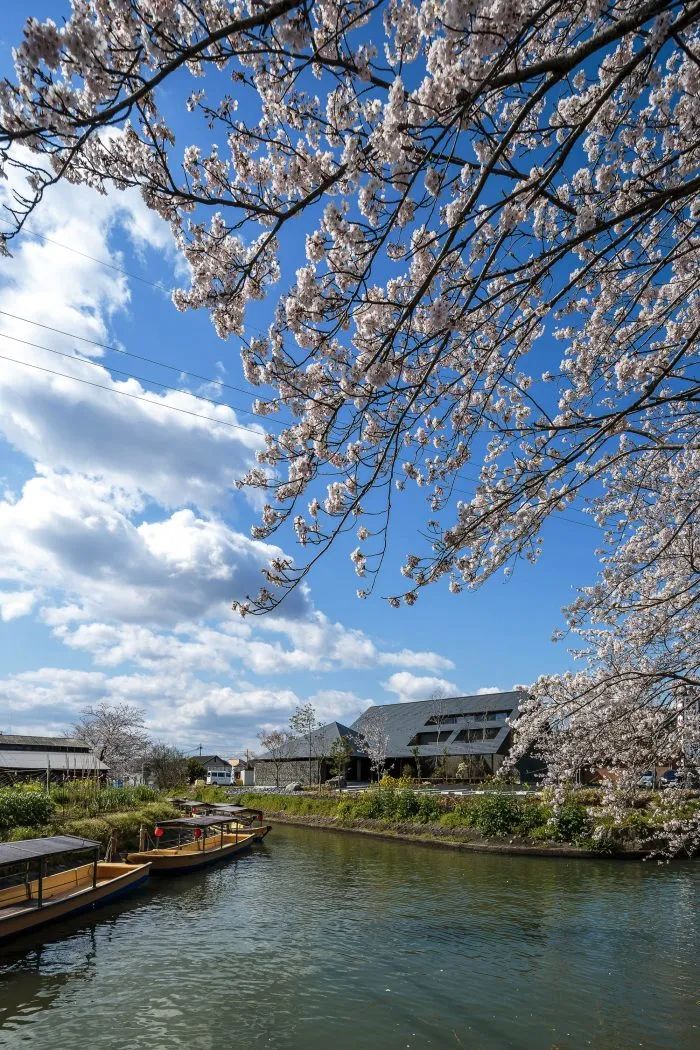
[499, 820]
[81, 807]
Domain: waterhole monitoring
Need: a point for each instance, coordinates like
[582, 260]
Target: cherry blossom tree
[304, 722]
[278, 745]
[498, 308]
[117, 735]
[375, 741]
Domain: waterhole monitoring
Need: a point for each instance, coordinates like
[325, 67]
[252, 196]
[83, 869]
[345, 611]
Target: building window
[487, 716]
[429, 738]
[467, 716]
[470, 736]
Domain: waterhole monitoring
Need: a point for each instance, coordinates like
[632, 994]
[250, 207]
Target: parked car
[222, 777]
[647, 780]
[669, 779]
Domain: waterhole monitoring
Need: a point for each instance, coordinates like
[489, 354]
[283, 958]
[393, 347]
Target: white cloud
[409, 686]
[180, 707]
[145, 447]
[16, 603]
[77, 536]
[488, 689]
[121, 582]
[319, 644]
[120, 538]
[229, 643]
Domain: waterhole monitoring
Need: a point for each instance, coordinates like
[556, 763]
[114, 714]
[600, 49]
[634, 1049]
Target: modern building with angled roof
[472, 730]
[429, 736]
[296, 764]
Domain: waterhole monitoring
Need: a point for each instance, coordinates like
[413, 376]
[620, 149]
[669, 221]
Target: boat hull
[122, 878]
[183, 860]
[260, 833]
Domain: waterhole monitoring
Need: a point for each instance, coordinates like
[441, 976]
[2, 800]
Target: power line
[186, 412]
[92, 258]
[110, 266]
[128, 353]
[129, 375]
[135, 397]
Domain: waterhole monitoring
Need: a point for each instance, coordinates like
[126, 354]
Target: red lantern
[158, 832]
[198, 833]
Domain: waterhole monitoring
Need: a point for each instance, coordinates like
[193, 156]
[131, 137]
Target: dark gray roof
[33, 849]
[223, 807]
[41, 742]
[321, 743]
[196, 822]
[404, 720]
[210, 759]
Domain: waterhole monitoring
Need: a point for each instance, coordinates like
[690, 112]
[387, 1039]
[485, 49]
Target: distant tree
[116, 733]
[340, 754]
[416, 753]
[439, 717]
[195, 770]
[166, 765]
[375, 740]
[471, 767]
[304, 722]
[278, 745]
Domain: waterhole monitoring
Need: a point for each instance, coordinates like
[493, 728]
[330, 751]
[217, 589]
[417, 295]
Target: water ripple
[316, 940]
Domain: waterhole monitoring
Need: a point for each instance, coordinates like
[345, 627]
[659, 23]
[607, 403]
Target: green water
[323, 940]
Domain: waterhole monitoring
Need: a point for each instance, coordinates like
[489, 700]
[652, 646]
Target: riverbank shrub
[390, 804]
[494, 815]
[88, 798]
[570, 822]
[87, 828]
[21, 807]
[20, 832]
[121, 827]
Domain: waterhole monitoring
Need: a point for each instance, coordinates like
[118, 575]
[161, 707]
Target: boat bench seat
[63, 882]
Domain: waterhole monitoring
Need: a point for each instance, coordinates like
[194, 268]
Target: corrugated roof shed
[485, 714]
[9, 741]
[57, 761]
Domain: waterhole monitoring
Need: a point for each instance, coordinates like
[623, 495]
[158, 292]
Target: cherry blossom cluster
[495, 306]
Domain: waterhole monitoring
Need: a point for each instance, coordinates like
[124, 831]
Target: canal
[328, 941]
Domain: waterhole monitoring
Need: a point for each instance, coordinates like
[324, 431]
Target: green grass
[83, 808]
[19, 806]
[498, 815]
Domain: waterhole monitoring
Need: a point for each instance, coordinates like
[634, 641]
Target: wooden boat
[243, 816]
[28, 902]
[198, 841]
[251, 820]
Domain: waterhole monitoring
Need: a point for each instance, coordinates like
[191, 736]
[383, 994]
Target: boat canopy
[234, 811]
[195, 822]
[35, 849]
[184, 803]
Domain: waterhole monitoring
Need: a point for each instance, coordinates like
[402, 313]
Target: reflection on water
[317, 940]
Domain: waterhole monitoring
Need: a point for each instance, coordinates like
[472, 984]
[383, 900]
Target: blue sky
[123, 541]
